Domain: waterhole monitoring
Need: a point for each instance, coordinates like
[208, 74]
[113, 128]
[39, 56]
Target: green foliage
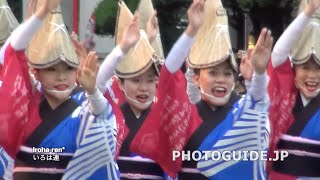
[106, 15]
[274, 14]
[245, 5]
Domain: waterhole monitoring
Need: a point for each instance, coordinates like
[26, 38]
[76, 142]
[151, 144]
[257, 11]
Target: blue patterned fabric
[91, 139]
[6, 164]
[246, 128]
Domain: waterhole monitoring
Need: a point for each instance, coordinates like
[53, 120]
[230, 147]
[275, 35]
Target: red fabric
[118, 93]
[17, 111]
[169, 125]
[282, 92]
[278, 176]
[122, 128]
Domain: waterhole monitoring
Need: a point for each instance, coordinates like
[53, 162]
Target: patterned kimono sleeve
[96, 141]
[115, 97]
[245, 129]
[169, 125]
[18, 107]
[282, 92]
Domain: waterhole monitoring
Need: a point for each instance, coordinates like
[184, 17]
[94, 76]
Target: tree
[274, 14]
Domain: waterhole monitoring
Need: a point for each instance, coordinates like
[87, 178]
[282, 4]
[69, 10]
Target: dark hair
[198, 70]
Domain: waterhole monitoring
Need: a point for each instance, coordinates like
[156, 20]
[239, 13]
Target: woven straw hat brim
[141, 56]
[212, 44]
[138, 60]
[135, 73]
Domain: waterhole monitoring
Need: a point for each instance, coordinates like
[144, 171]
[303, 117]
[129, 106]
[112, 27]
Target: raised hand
[152, 27]
[246, 69]
[195, 16]
[79, 47]
[311, 7]
[46, 7]
[131, 34]
[30, 8]
[87, 72]
[261, 54]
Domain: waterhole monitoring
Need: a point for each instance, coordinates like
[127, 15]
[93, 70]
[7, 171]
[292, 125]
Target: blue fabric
[96, 145]
[64, 135]
[72, 134]
[246, 128]
[310, 131]
[6, 164]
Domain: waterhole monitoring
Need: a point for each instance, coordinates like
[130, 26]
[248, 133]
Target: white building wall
[104, 45]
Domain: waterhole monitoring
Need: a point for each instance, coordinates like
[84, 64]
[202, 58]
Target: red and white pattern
[169, 125]
[18, 114]
[282, 93]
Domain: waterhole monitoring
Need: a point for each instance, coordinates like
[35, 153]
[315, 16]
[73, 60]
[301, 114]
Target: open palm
[196, 13]
[131, 34]
[313, 4]
[51, 4]
[79, 47]
[152, 27]
[87, 72]
[261, 54]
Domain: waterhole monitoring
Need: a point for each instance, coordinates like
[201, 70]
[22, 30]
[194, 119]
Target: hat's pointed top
[52, 43]
[8, 21]
[139, 58]
[212, 44]
[146, 9]
[124, 18]
[309, 42]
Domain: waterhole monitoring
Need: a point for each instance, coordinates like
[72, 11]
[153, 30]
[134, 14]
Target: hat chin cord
[57, 92]
[312, 94]
[218, 99]
[148, 103]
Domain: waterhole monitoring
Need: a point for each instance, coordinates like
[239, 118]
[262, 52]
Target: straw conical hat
[145, 9]
[139, 58]
[212, 44]
[309, 42]
[52, 44]
[8, 21]
[124, 18]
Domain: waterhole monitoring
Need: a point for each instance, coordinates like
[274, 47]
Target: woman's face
[140, 90]
[57, 81]
[216, 83]
[307, 78]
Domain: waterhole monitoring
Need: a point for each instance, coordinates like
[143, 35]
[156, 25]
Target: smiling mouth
[142, 98]
[61, 87]
[219, 91]
[311, 86]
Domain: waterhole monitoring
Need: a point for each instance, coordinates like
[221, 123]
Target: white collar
[305, 102]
